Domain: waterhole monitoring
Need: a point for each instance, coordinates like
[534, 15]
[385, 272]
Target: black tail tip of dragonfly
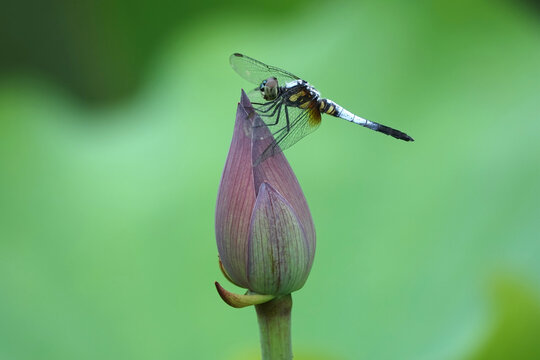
[407, 138]
[392, 132]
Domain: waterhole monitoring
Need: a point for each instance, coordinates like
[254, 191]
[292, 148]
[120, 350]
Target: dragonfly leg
[277, 117]
[273, 112]
[270, 108]
[285, 128]
[262, 104]
[287, 119]
[278, 109]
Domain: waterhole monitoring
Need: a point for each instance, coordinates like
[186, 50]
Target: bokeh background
[115, 122]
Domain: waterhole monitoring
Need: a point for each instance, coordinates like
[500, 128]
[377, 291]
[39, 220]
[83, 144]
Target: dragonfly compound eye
[270, 89]
[271, 82]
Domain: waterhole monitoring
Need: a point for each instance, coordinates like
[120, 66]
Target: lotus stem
[275, 328]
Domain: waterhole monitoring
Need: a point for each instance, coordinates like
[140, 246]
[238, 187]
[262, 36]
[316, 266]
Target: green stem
[275, 328]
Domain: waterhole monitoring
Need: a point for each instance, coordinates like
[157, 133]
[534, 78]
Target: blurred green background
[115, 122]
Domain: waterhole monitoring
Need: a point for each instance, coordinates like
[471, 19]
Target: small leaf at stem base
[240, 301]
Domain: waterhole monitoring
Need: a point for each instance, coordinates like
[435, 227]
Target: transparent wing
[255, 96]
[255, 71]
[287, 125]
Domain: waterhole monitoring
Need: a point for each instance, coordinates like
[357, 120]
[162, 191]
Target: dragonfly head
[269, 88]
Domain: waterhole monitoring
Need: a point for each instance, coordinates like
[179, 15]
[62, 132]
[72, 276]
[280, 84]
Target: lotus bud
[264, 231]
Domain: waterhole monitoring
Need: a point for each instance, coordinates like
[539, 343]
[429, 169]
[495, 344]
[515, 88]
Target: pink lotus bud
[264, 231]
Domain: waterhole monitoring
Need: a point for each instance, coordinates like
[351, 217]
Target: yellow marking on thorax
[305, 105]
[294, 97]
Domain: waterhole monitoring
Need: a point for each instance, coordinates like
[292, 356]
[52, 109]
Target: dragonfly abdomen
[331, 108]
[328, 107]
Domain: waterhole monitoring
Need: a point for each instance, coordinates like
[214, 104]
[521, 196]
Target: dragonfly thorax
[269, 89]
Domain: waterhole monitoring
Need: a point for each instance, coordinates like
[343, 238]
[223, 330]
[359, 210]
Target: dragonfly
[290, 107]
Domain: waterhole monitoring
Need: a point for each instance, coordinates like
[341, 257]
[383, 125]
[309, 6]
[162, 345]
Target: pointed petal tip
[244, 100]
[240, 301]
[267, 192]
[265, 187]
